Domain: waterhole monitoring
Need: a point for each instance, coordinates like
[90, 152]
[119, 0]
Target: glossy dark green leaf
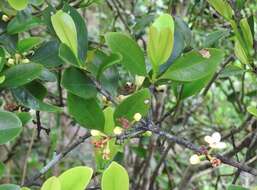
[22, 22]
[9, 187]
[194, 65]
[110, 60]
[21, 74]
[76, 82]
[28, 43]
[133, 56]
[47, 76]
[37, 89]
[86, 112]
[27, 99]
[81, 29]
[68, 56]
[10, 126]
[194, 87]
[139, 102]
[47, 55]
[2, 58]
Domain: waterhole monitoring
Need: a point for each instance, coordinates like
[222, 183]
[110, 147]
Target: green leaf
[76, 178]
[65, 29]
[47, 76]
[68, 56]
[18, 4]
[22, 22]
[247, 34]
[214, 37]
[110, 60]
[21, 74]
[231, 70]
[160, 40]
[194, 87]
[2, 169]
[194, 65]
[76, 82]
[25, 188]
[9, 187]
[236, 187]
[81, 28]
[115, 177]
[28, 99]
[133, 56]
[47, 55]
[86, 112]
[25, 117]
[52, 183]
[252, 110]
[10, 126]
[240, 52]
[28, 43]
[222, 7]
[2, 58]
[139, 102]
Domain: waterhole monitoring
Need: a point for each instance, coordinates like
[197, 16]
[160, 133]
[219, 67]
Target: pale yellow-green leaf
[51, 183]
[18, 4]
[76, 178]
[65, 29]
[240, 52]
[25, 188]
[222, 7]
[252, 110]
[247, 34]
[160, 40]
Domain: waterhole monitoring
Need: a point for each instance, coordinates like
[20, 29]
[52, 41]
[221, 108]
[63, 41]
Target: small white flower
[5, 18]
[137, 117]
[25, 61]
[214, 141]
[117, 130]
[11, 61]
[194, 159]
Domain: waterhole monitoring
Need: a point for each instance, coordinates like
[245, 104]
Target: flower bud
[25, 61]
[10, 61]
[194, 159]
[5, 18]
[95, 133]
[137, 117]
[148, 133]
[117, 130]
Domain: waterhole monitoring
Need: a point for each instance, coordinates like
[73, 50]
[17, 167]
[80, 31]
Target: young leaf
[86, 112]
[252, 110]
[160, 40]
[247, 34]
[139, 102]
[194, 65]
[133, 56]
[115, 177]
[240, 52]
[53, 183]
[65, 29]
[18, 4]
[76, 82]
[28, 43]
[21, 74]
[76, 178]
[10, 126]
[81, 29]
[222, 7]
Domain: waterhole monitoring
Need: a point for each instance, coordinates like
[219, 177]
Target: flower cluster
[214, 142]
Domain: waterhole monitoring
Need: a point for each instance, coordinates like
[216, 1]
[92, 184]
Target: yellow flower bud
[17, 56]
[95, 133]
[148, 133]
[117, 130]
[25, 61]
[194, 159]
[137, 117]
[5, 18]
[10, 61]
